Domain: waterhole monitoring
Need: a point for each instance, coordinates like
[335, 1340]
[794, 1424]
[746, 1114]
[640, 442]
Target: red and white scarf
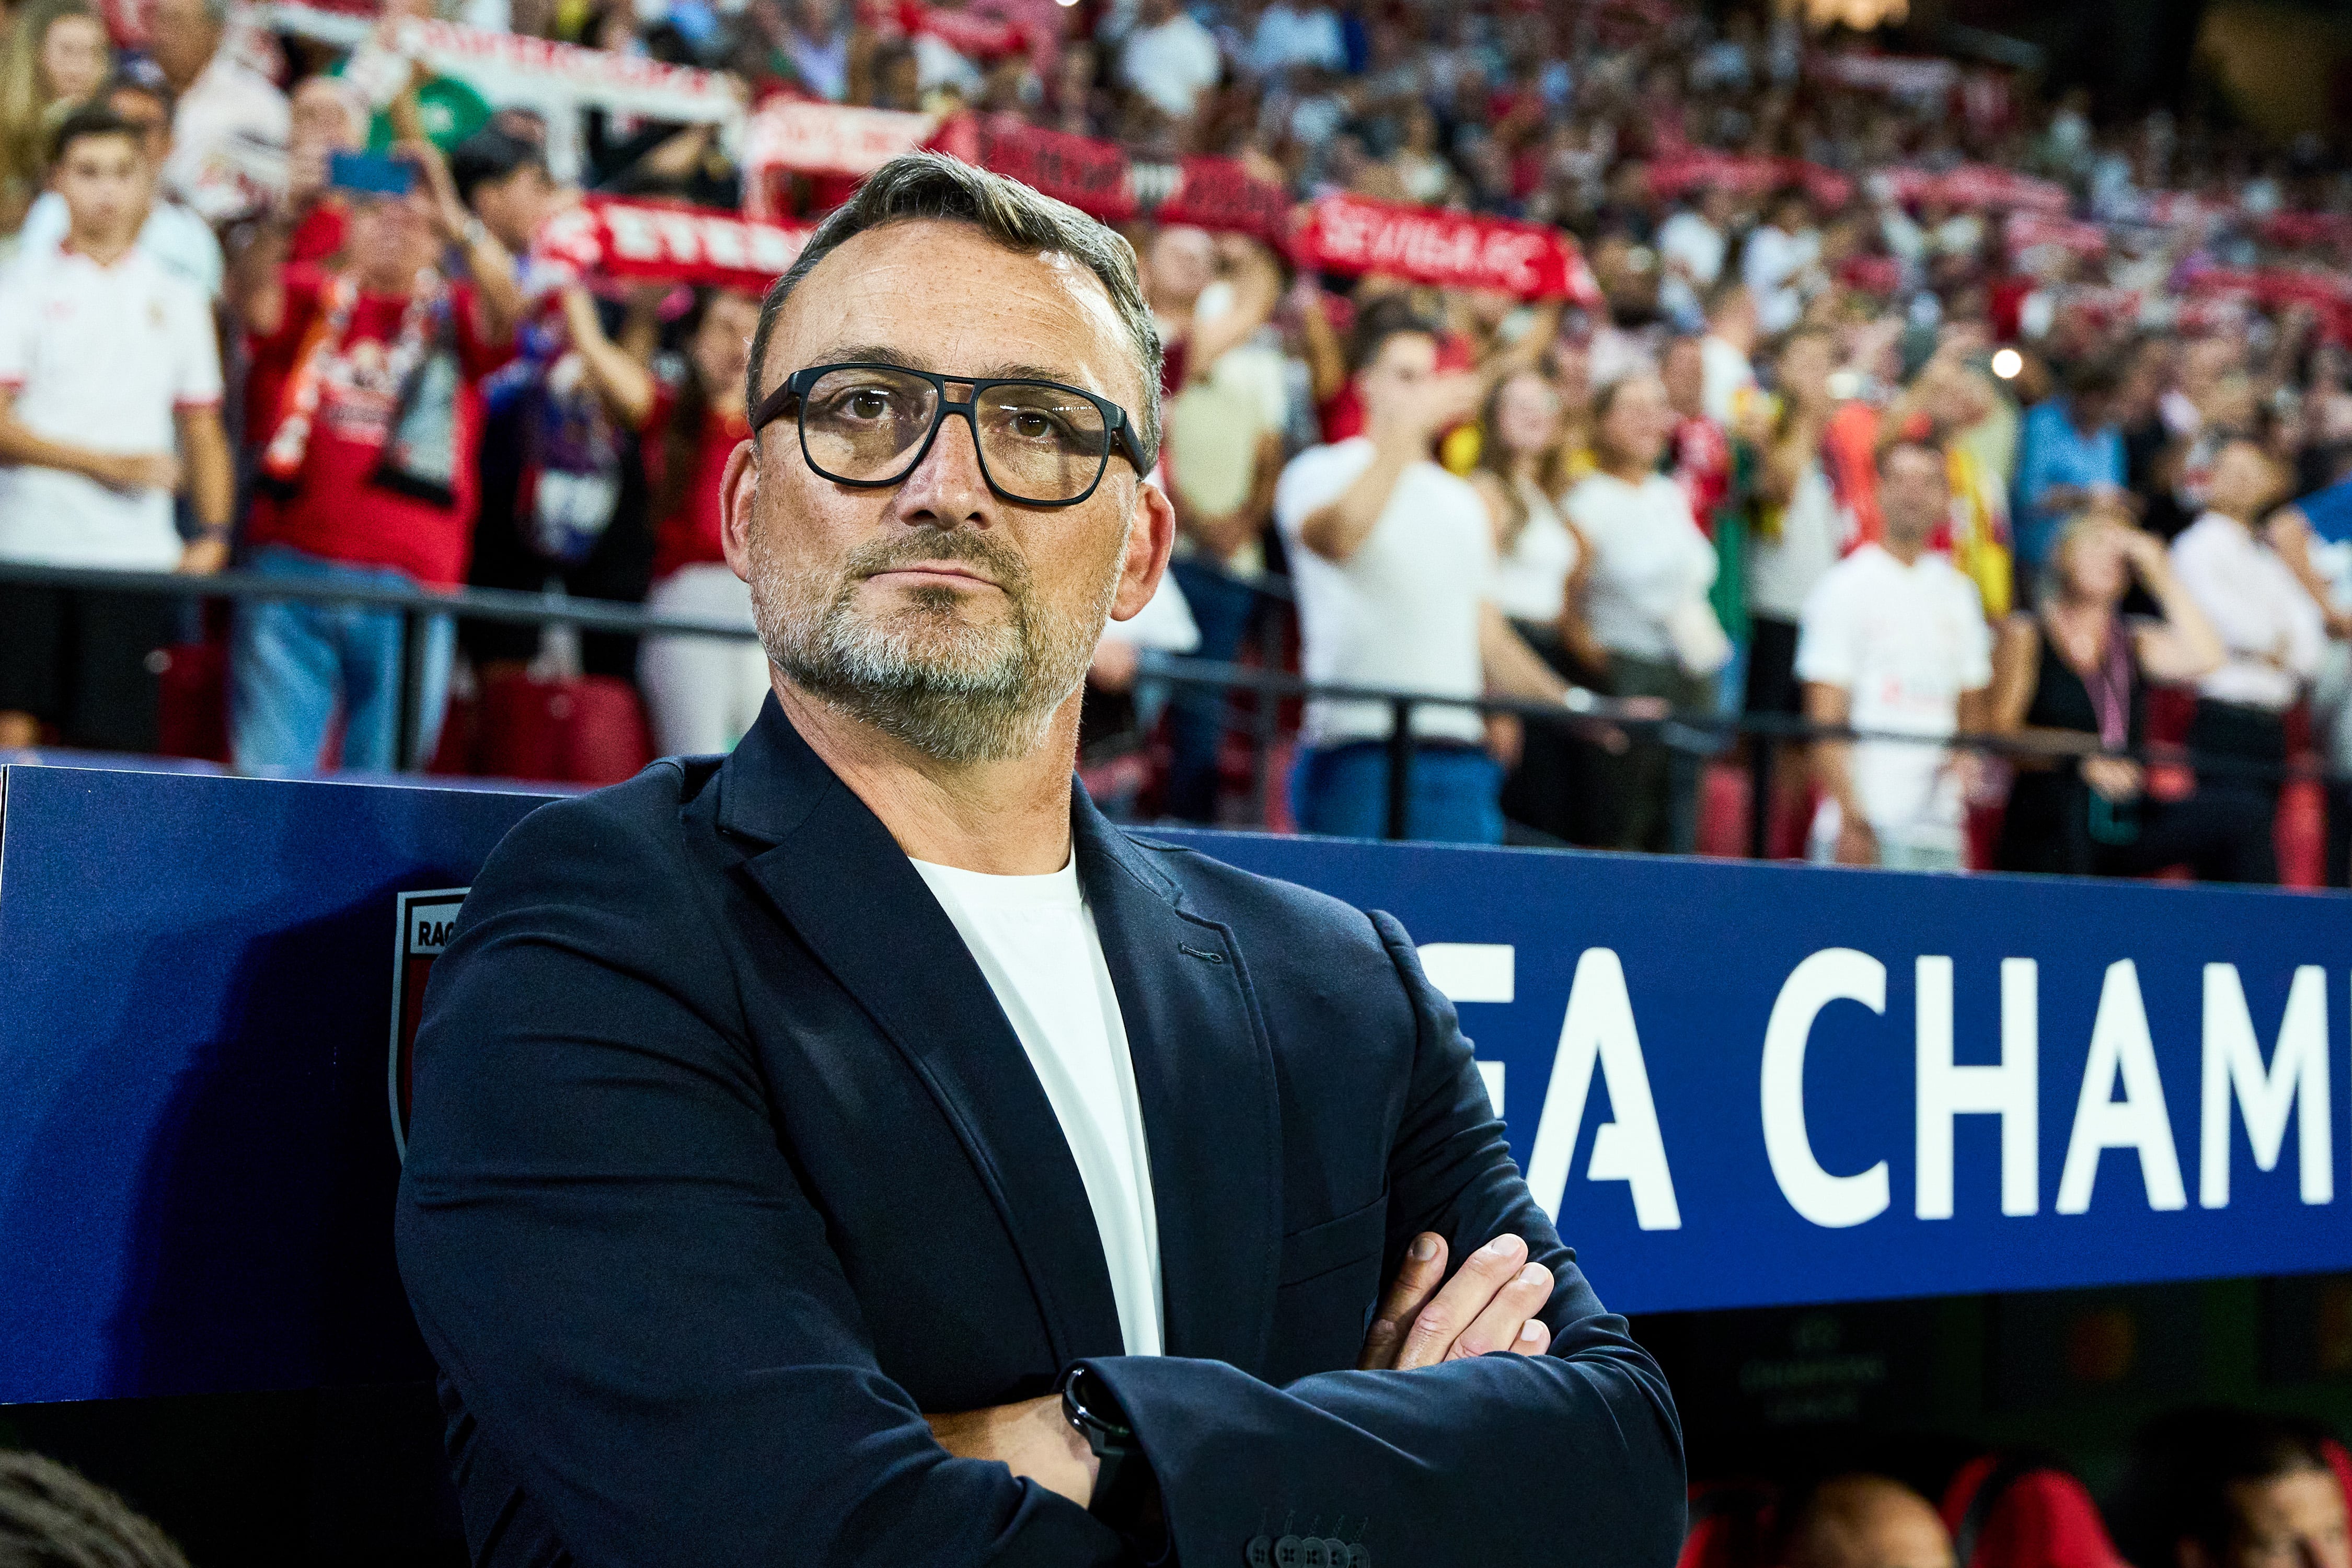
[297, 407]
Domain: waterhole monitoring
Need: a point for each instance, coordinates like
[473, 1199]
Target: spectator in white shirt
[1692, 244]
[107, 364]
[1727, 352]
[1780, 264]
[174, 236]
[231, 125]
[1647, 605]
[1290, 35]
[1392, 560]
[1893, 640]
[1170, 57]
[2273, 630]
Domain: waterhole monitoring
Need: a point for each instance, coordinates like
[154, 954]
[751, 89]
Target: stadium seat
[1731, 1526]
[2013, 1510]
[588, 731]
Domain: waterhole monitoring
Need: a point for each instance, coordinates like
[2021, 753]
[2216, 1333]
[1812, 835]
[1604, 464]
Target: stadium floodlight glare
[2006, 363]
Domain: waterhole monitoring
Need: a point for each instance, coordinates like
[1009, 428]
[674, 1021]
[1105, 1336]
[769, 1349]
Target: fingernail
[1500, 1245]
[1533, 1274]
[1531, 1333]
[1425, 1247]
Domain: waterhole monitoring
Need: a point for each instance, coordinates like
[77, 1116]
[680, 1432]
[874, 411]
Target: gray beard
[921, 674]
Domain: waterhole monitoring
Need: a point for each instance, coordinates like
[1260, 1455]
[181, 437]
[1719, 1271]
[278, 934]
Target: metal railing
[1692, 734]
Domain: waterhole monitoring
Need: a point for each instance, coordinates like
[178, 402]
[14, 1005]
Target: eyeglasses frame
[1117, 424]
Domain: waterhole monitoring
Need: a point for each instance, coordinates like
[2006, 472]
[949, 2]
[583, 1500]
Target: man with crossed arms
[856, 1150]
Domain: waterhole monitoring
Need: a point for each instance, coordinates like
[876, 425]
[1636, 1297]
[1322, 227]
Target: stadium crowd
[1886, 395]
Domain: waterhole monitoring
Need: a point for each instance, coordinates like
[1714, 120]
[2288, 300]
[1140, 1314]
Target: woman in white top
[1651, 570]
[1541, 567]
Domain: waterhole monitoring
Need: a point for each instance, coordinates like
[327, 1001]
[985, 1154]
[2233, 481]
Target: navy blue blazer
[725, 1165]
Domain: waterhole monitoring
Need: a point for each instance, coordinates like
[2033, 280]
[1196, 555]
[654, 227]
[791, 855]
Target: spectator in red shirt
[367, 475]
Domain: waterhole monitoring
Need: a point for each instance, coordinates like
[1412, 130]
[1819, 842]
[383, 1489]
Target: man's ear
[1149, 539]
[739, 497]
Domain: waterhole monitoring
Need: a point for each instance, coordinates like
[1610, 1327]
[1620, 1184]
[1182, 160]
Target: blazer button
[1360, 1556]
[1313, 1552]
[1336, 1552]
[1259, 1553]
[1285, 1554]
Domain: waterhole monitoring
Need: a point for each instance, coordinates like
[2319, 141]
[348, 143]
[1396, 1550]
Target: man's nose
[948, 489]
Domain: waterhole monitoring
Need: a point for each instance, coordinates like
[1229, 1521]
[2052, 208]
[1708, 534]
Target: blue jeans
[1343, 791]
[291, 661]
[1196, 714]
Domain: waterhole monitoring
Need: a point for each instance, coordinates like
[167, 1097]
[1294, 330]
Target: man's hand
[1032, 1437]
[1414, 417]
[135, 470]
[1490, 1305]
[1856, 844]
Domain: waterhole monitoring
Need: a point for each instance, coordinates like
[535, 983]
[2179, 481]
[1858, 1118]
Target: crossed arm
[619, 1269]
[1423, 1320]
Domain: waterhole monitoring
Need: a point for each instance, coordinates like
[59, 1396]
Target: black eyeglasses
[1040, 443]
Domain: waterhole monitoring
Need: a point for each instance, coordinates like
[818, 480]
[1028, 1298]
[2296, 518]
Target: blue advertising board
[1735, 1085]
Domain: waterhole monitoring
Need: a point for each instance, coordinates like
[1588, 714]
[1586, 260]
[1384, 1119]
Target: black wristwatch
[1123, 1478]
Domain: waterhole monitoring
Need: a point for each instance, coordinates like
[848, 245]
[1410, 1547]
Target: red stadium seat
[1731, 1526]
[590, 731]
[2008, 1511]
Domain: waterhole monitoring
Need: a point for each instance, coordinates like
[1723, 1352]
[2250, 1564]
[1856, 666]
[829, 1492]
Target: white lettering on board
[1833, 974]
[2120, 1046]
[1475, 972]
[2297, 1081]
[1597, 1033]
[2009, 1089]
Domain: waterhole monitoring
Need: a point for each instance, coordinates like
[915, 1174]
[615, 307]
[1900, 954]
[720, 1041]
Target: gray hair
[931, 185]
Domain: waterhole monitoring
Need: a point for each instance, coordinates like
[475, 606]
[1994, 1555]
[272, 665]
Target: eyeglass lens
[1037, 441]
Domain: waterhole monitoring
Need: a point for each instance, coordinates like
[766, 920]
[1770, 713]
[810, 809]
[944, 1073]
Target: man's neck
[1907, 551]
[1006, 819]
[104, 250]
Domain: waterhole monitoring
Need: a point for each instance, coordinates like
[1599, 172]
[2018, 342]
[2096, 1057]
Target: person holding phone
[368, 466]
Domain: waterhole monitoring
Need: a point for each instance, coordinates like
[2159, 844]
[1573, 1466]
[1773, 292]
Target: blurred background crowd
[1913, 380]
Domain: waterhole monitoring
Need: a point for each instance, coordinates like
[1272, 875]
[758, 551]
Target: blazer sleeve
[1572, 1456]
[613, 1263]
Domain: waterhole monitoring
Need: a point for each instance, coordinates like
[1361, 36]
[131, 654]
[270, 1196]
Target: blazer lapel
[1205, 1076]
[838, 877]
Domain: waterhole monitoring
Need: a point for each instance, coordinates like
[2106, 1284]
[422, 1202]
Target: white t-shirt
[2273, 629]
[102, 358]
[1782, 571]
[1773, 266]
[1034, 940]
[1403, 611]
[1727, 373]
[1700, 246]
[1531, 581]
[1649, 560]
[1171, 64]
[1290, 36]
[1905, 642]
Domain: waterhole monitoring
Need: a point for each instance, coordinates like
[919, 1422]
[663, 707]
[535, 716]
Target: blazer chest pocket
[1329, 1284]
